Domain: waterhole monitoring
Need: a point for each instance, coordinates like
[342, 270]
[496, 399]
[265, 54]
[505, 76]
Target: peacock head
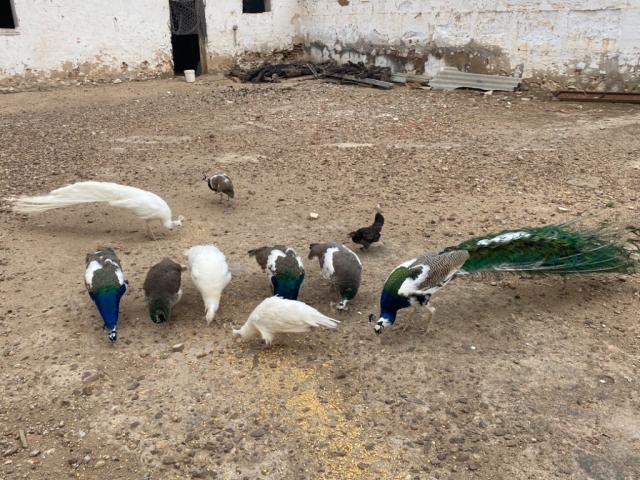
[113, 335]
[381, 323]
[171, 224]
[159, 314]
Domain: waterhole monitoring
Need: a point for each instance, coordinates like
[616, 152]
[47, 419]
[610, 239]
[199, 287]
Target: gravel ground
[515, 378]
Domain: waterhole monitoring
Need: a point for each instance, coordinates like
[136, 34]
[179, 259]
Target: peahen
[553, 249]
[210, 274]
[341, 266]
[221, 183]
[162, 289]
[279, 315]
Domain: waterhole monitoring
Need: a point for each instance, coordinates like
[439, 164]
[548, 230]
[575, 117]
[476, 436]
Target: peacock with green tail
[553, 249]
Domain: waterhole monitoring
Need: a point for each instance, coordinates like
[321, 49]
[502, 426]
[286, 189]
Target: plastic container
[190, 76]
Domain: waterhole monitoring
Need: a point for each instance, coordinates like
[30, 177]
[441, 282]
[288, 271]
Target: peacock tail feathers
[551, 249]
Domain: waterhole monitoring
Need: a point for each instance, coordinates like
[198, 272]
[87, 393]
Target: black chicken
[367, 235]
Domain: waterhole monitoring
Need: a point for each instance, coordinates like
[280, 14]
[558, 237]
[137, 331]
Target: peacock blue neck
[390, 303]
[108, 302]
[287, 287]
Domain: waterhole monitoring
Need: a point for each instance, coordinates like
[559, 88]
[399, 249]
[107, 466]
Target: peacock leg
[411, 318]
[149, 230]
[432, 311]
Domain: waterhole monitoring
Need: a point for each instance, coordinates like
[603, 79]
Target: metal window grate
[184, 17]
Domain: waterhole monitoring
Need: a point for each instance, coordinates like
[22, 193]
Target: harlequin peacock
[284, 268]
[341, 267]
[552, 249]
[106, 284]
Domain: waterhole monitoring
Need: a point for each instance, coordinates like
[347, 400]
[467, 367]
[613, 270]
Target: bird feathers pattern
[144, 204]
[367, 235]
[551, 249]
[210, 274]
[341, 266]
[106, 285]
[162, 289]
[284, 267]
[278, 315]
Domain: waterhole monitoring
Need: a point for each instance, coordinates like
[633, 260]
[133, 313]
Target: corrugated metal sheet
[450, 78]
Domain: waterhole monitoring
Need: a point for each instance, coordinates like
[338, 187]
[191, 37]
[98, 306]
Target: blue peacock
[552, 249]
[106, 284]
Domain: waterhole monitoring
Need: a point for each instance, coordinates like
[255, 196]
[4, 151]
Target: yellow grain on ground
[338, 442]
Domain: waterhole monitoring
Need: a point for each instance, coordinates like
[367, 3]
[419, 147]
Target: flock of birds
[550, 249]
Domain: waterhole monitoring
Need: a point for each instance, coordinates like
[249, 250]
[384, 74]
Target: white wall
[56, 36]
[258, 32]
[550, 36]
[556, 37]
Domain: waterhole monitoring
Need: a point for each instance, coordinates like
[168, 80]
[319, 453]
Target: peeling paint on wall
[588, 43]
[86, 41]
[585, 42]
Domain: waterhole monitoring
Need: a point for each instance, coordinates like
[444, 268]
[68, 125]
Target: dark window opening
[7, 18]
[256, 6]
[186, 53]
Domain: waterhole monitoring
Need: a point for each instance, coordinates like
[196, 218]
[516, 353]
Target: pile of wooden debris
[358, 73]
[447, 78]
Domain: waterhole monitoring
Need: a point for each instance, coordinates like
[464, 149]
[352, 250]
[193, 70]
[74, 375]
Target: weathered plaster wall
[89, 37]
[588, 38]
[594, 42]
[260, 32]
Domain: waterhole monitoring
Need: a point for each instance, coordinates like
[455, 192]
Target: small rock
[34, 453]
[340, 375]
[117, 80]
[258, 433]
[197, 473]
[133, 385]
[472, 466]
[314, 216]
[178, 347]
[563, 209]
[363, 466]
[100, 463]
[169, 460]
[10, 451]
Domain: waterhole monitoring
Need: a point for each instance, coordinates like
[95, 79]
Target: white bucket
[190, 76]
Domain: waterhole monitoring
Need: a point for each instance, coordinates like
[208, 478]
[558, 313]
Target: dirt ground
[516, 378]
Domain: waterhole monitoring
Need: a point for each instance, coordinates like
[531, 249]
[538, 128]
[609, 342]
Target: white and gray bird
[145, 205]
[210, 274]
[284, 267]
[278, 315]
[222, 184]
[162, 289]
[341, 266]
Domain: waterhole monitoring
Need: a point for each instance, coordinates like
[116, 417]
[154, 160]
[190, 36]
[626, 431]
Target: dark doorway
[186, 53]
[7, 17]
[188, 35]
